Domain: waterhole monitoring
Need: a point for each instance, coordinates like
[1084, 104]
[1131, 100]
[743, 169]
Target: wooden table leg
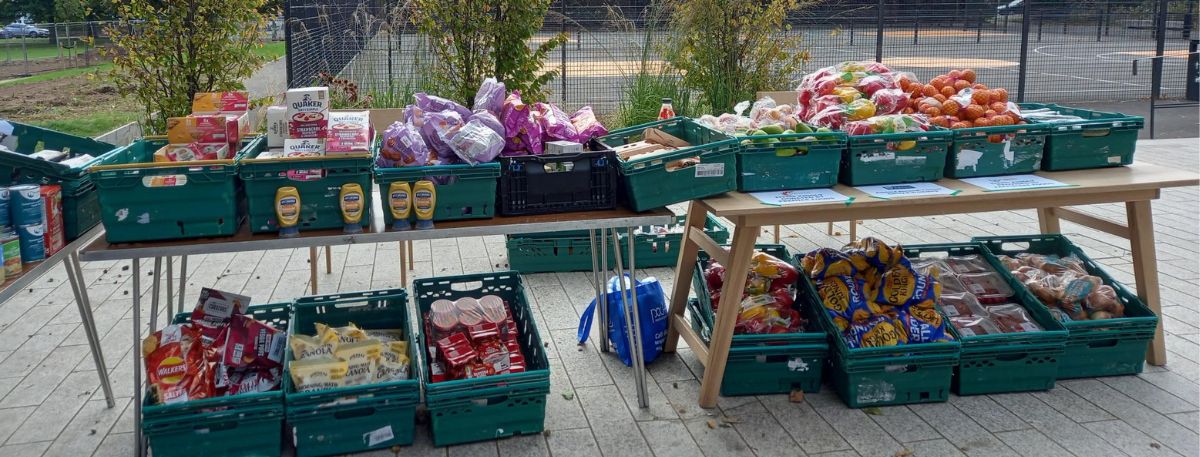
[685, 267]
[328, 259]
[1145, 271]
[776, 234]
[722, 335]
[829, 228]
[853, 230]
[412, 262]
[312, 267]
[1048, 221]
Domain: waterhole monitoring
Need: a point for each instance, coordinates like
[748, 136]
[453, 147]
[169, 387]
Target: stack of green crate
[1099, 140]
[244, 424]
[572, 250]
[654, 180]
[462, 191]
[143, 200]
[356, 418]
[1105, 347]
[319, 181]
[790, 161]
[996, 150]
[893, 158]
[1004, 362]
[769, 363]
[491, 407]
[81, 207]
[881, 376]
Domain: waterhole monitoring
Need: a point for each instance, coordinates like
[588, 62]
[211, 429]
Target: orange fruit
[931, 111]
[989, 114]
[983, 122]
[1000, 95]
[978, 86]
[968, 75]
[938, 83]
[961, 84]
[907, 110]
[954, 75]
[948, 90]
[971, 112]
[929, 90]
[995, 138]
[940, 97]
[961, 125]
[950, 107]
[998, 107]
[981, 97]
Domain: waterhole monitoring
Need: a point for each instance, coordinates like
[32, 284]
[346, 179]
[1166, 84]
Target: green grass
[56, 74]
[272, 50]
[10, 49]
[91, 124]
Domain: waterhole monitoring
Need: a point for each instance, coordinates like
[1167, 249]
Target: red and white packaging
[198, 129]
[251, 343]
[307, 112]
[188, 152]
[52, 215]
[220, 102]
[349, 132]
[175, 365]
[215, 310]
[236, 126]
[303, 147]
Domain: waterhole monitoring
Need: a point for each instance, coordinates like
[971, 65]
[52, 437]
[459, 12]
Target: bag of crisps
[249, 342]
[175, 365]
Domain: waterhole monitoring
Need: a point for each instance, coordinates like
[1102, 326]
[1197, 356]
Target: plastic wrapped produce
[490, 96]
[476, 143]
[890, 123]
[889, 101]
[588, 126]
[523, 135]
[402, 147]
[555, 123]
[438, 128]
[487, 119]
[433, 104]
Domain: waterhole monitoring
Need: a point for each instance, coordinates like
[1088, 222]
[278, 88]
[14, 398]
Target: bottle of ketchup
[667, 111]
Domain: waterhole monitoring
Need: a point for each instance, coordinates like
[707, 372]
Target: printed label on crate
[869, 157]
[800, 197]
[710, 170]
[305, 175]
[910, 160]
[164, 181]
[1013, 182]
[876, 392]
[1114, 159]
[797, 364]
[379, 436]
[916, 189]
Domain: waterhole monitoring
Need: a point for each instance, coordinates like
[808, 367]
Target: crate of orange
[989, 136]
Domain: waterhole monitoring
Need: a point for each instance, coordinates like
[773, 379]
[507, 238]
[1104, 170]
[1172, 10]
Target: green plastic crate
[764, 364]
[894, 158]
[791, 161]
[648, 184]
[247, 424]
[572, 250]
[1100, 140]
[463, 191]
[81, 205]
[320, 205]
[358, 418]
[881, 376]
[141, 200]
[468, 410]
[1006, 362]
[1107, 347]
[1019, 150]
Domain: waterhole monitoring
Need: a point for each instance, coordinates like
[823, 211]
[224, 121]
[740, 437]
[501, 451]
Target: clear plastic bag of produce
[523, 135]
[556, 124]
[889, 101]
[439, 127]
[486, 118]
[476, 143]
[433, 103]
[588, 126]
[889, 123]
[402, 147]
[490, 96]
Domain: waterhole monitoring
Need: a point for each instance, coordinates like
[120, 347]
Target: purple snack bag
[523, 135]
[414, 115]
[588, 126]
[490, 96]
[554, 122]
[403, 146]
[476, 143]
[486, 118]
[438, 128]
[433, 104]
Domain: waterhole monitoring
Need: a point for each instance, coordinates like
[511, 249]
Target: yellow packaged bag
[385, 335]
[348, 333]
[318, 374]
[360, 357]
[308, 347]
[393, 363]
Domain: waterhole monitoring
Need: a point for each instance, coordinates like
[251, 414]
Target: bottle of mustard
[400, 204]
[424, 203]
[351, 200]
[287, 210]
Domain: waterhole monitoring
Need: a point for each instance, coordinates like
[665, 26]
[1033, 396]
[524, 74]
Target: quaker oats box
[307, 112]
[303, 147]
[350, 132]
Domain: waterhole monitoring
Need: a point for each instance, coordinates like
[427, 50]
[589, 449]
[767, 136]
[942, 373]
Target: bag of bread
[360, 357]
[309, 347]
[175, 365]
[385, 335]
[348, 333]
[393, 362]
[318, 374]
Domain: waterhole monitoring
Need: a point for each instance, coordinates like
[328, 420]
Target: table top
[33, 270]
[1136, 177]
[244, 240]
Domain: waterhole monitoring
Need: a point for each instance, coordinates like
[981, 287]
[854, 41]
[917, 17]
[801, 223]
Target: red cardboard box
[52, 213]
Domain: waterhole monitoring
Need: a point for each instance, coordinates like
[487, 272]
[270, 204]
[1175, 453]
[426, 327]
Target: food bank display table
[1135, 185]
[601, 224]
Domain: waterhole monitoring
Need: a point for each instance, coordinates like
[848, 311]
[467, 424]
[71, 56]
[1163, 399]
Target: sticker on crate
[710, 170]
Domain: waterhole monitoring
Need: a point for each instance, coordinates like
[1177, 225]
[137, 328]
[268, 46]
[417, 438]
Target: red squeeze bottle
[667, 111]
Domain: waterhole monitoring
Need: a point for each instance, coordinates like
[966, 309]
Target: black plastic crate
[558, 183]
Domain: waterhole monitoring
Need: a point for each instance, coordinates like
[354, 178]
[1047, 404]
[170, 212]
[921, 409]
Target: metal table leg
[640, 359]
[75, 276]
[183, 274]
[598, 283]
[139, 446]
[154, 294]
[171, 288]
[604, 317]
[632, 329]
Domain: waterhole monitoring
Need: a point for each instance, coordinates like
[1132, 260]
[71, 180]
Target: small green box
[1100, 140]
[248, 424]
[996, 151]
[491, 407]
[895, 158]
[319, 181]
[1004, 362]
[650, 183]
[572, 250]
[357, 418]
[462, 191]
[790, 161]
[81, 204]
[1106, 347]
[143, 200]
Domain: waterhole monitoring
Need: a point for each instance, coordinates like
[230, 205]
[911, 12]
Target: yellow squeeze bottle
[424, 202]
[400, 204]
[287, 210]
[351, 201]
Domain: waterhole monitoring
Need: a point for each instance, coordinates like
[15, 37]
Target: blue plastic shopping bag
[652, 315]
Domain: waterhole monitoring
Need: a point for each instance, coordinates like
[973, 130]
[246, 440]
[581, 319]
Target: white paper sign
[916, 189]
[800, 197]
[1013, 182]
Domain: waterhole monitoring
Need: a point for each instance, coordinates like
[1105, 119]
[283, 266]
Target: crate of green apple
[773, 157]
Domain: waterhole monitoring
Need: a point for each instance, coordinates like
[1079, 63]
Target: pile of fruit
[1065, 287]
[850, 91]
[956, 101]
[768, 300]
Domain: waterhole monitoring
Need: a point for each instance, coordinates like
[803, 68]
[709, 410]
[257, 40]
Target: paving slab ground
[50, 404]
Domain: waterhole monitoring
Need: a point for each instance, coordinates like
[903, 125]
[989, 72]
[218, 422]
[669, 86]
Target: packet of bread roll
[385, 335]
[360, 357]
[393, 362]
[348, 333]
[318, 374]
[309, 347]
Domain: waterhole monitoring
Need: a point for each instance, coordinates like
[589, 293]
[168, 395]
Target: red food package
[714, 276]
[783, 298]
[494, 309]
[437, 372]
[483, 332]
[252, 380]
[214, 309]
[477, 369]
[175, 365]
[470, 312]
[455, 350]
[495, 355]
[443, 315]
[249, 342]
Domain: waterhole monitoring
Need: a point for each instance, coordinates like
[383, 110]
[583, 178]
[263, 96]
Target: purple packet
[588, 126]
[433, 104]
[489, 120]
[554, 122]
[490, 96]
[476, 143]
[438, 128]
[403, 146]
[414, 115]
[523, 135]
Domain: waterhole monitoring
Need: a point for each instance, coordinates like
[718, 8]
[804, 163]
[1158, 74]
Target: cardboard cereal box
[350, 132]
[277, 126]
[307, 112]
[220, 102]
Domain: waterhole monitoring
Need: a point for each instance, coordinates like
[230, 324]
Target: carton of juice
[307, 112]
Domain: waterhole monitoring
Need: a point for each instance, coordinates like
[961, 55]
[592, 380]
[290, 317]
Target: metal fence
[1042, 50]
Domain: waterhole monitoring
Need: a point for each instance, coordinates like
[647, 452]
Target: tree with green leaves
[475, 39]
[70, 10]
[33, 10]
[164, 52]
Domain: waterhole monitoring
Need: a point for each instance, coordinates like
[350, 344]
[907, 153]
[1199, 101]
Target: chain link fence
[1043, 50]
